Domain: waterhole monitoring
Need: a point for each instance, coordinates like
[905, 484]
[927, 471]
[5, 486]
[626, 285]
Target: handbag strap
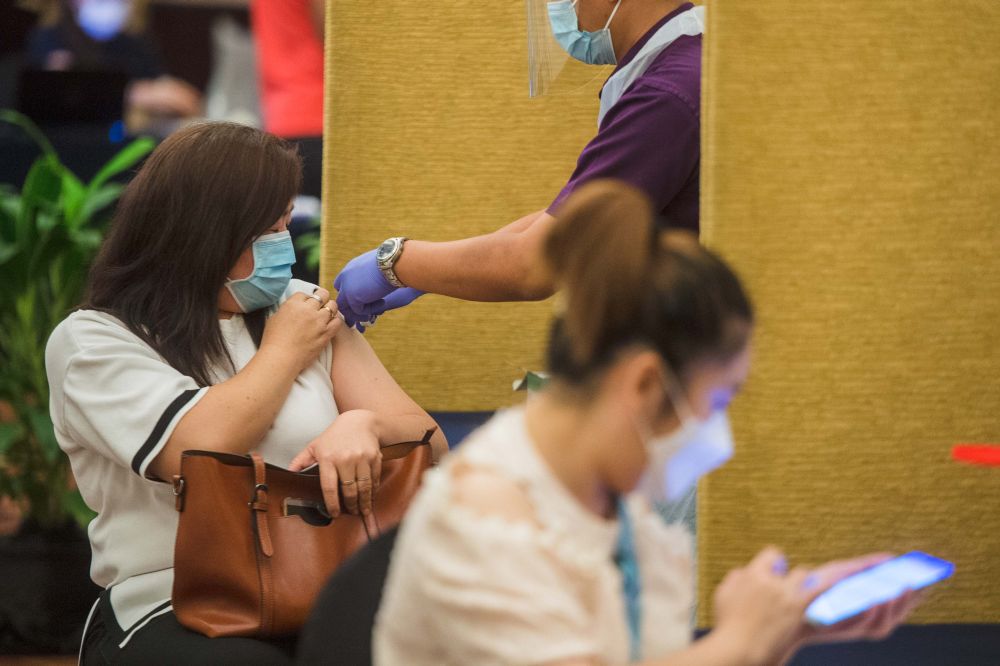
[372, 529]
[258, 504]
[178, 480]
[258, 507]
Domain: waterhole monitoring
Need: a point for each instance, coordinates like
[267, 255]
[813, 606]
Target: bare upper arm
[360, 381]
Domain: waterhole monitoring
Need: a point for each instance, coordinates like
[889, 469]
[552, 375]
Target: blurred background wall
[850, 161]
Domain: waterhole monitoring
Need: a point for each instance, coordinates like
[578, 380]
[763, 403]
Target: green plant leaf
[30, 128]
[46, 244]
[10, 211]
[127, 157]
[42, 184]
[96, 201]
[10, 204]
[313, 257]
[41, 425]
[7, 250]
[309, 244]
[73, 195]
[88, 239]
[24, 306]
[9, 433]
[47, 220]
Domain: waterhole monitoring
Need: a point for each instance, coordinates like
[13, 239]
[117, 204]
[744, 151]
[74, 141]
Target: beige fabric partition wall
[430, 134]
[851, 161]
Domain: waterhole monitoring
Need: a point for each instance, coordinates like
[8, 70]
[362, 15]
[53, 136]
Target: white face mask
[679, 459]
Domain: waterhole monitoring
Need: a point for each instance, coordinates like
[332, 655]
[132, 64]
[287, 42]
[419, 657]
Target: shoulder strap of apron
[691, 22]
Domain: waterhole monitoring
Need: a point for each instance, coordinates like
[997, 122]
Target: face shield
[551, 70]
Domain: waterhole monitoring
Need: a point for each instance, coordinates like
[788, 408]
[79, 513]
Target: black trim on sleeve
[161, 425]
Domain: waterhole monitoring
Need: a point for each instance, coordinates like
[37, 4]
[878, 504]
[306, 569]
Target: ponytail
[600, 251]
[624, 282]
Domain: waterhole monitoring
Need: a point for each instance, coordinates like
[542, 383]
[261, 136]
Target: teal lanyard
[627, 563]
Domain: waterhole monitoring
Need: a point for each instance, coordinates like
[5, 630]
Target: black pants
[162, 640]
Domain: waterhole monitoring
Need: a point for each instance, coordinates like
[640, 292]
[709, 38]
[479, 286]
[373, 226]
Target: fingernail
[781, 566]
[810, 582]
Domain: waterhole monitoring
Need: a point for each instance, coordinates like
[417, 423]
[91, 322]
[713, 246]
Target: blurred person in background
[289, 39]
[109, 35]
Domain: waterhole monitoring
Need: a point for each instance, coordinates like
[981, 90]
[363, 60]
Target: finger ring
[315, 298]
[346, 483]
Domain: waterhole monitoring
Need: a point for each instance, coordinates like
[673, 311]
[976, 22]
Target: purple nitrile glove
[363, 293]
[359, 286]
[397, 299]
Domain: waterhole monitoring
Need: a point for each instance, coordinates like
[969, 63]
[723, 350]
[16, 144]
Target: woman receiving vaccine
[528, 546]
[194, 336]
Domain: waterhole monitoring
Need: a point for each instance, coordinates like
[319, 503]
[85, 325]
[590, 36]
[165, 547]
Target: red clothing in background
[290, 60]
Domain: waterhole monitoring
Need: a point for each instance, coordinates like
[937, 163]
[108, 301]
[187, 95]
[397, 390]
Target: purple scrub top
[651, 137]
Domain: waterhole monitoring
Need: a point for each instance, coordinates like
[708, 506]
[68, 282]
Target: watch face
[385, 250]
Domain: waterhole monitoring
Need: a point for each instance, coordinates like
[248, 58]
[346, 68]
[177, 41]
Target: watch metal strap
[390, 263]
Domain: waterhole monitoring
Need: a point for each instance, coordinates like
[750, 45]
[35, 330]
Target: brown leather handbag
[255, 543]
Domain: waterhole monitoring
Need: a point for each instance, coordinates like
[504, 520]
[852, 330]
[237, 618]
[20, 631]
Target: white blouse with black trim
[114, 403]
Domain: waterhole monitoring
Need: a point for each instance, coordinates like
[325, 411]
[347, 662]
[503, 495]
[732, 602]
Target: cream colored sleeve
[491, 592]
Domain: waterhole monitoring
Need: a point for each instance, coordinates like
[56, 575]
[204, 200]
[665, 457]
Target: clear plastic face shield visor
[551, 71]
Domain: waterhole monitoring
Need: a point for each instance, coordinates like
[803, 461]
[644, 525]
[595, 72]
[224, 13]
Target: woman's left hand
[349, 454]
[876, 623]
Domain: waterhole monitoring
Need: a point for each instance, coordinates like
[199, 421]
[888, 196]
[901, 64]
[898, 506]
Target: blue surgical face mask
[593, 48]
[273, 257]
[102, 19]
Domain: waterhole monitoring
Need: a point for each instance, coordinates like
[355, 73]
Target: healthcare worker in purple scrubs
[648, 136]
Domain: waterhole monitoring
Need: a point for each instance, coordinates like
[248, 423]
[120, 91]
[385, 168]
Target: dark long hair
[624, 282]
[198, 202]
